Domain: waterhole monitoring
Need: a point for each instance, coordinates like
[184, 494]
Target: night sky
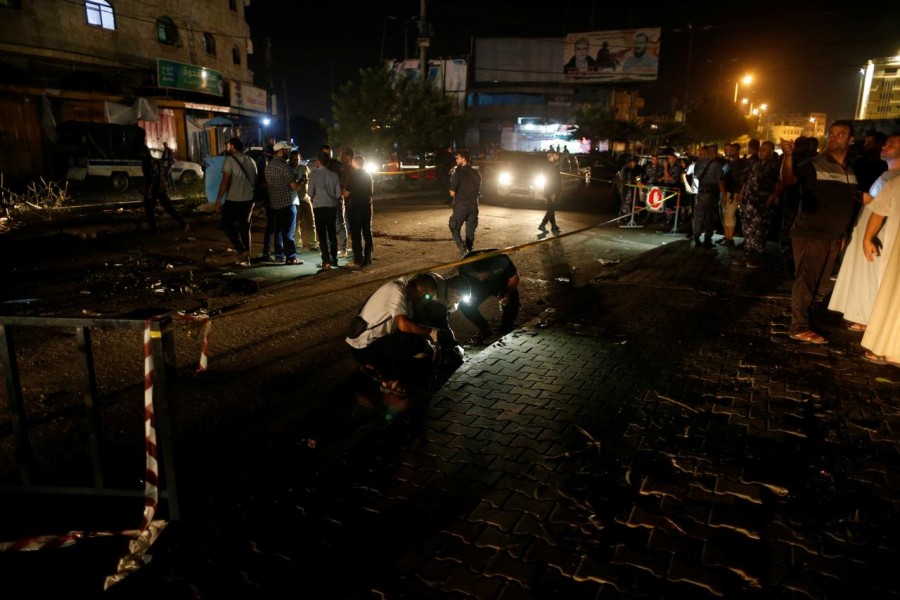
[804, 56]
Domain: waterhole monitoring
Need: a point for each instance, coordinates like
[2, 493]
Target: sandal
[371, 372]
[856, 327]
[874, 358]
[393, 386]
[810, 337]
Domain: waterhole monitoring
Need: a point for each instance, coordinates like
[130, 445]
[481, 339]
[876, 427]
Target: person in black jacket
[465, 186]
[358, 194]
[156, 192]
[552, 190]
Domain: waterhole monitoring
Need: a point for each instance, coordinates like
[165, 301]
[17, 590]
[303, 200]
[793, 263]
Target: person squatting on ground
[493, 275]
[283, 203]
[325, 192]
[552, 190]
[156, 192]
[384, 337]
[827, 196]
[234, 199]
[435, 312]
[359, 191]
[465, 185]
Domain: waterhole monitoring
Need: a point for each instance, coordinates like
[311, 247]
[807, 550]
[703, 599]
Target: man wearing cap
[235, 197]
[283, 202]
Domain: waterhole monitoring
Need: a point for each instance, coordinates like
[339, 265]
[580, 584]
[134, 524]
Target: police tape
[204, 343]
[149, 528]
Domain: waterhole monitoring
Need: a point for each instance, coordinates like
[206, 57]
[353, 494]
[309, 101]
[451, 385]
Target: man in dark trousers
[552, 189]
[156, 192]
[493, 275]
[465, 185]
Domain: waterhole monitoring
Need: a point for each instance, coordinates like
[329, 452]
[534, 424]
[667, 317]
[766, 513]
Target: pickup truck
[111, 151]
[120, 171]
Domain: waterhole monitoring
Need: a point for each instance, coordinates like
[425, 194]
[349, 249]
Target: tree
[598, 123]
[382, 113]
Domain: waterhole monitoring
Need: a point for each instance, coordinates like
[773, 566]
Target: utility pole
[287, 111]
[269, 85]
[423, 42]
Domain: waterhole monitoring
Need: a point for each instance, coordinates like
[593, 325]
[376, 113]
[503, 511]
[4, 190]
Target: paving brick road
[656, 436]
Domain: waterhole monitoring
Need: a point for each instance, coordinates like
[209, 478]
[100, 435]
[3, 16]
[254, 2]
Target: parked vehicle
[109, 151]
[521, 174]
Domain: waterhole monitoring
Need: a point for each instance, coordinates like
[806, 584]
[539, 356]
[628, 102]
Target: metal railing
[159, 352]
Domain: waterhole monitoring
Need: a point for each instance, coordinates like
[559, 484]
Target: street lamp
[747, 80]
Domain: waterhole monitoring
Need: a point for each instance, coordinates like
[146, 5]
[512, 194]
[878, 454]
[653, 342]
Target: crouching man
[493, 275]
[384, 337]
[448, 354]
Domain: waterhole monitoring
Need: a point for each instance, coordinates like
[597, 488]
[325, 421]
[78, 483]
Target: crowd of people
[822, 209]
[833, 215]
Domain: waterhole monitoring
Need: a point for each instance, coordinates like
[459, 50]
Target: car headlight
[539, 181]
[505, 178]
[371, 168]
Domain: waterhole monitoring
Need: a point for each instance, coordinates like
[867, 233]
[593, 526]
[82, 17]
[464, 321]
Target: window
[100, 14]
[17, 4]
[166, 31]
[232, 4]
[236, 55]
[209, 44]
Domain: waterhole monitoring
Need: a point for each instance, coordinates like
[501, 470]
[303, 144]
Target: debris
[605, 262]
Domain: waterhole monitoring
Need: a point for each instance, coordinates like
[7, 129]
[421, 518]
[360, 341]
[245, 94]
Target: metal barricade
[159, 351]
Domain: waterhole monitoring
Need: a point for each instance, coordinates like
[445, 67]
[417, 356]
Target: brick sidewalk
[658, 436]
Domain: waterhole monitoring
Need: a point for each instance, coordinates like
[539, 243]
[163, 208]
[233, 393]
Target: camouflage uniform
[756, 214]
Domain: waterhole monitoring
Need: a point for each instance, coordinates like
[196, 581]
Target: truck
[112, 152]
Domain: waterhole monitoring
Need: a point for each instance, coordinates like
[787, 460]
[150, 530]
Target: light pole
[384, 33]
[747, 80]
[721, 64]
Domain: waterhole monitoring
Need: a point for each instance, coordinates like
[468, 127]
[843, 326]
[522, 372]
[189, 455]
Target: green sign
[189, 77]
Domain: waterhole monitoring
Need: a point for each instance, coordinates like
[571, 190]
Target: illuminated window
[236, 55]
[209, 44]
[166, 31]
[100, 14]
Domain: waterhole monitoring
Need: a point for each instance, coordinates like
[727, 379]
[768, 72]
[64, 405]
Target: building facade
[879, 91]
[166, 65]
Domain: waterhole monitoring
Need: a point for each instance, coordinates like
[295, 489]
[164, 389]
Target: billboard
[611, 56]
[627, 55]
[518, 60]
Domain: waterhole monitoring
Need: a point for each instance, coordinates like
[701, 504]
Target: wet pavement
[656, 435]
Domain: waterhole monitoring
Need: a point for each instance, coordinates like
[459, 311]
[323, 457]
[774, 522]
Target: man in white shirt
[383, 337]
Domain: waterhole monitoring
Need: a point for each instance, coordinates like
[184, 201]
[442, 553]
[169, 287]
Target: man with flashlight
[493, 275]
